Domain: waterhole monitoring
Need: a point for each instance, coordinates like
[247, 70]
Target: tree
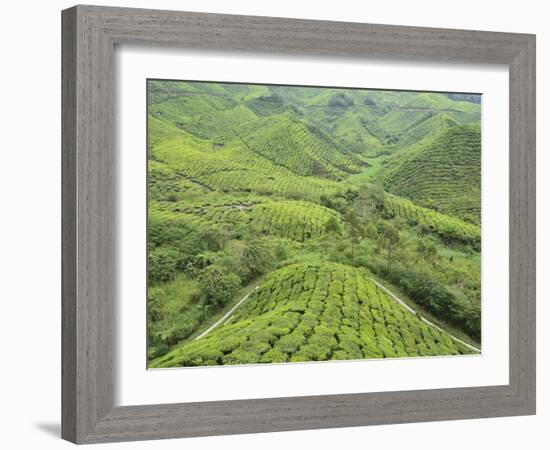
[217, 286]
[426, 250]
[371, 231]
[389, 236]
[162, 264]
[257, 258]
[356, 230]
[333, 225]
[337, 202]
[211, 237]
[370, 200]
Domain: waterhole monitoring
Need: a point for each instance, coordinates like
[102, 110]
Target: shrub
[274, 356]
[239, 356]
[290, 343]
[218, 287]
[161, 265]
[257, 258]
[426, 291]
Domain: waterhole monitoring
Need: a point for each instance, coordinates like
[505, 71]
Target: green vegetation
[447, 227]
[289, 143]
[315, 312]
[453, 158]
[275, 207]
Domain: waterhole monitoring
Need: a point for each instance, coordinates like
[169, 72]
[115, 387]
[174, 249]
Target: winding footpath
[226, 316]
[426, 321]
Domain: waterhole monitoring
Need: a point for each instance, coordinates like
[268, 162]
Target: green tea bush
[443, 173]
[342, 315]
[448, 228]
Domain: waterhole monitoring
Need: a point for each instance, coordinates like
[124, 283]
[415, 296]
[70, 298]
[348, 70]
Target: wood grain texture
[89, 36]
[68, 226]
[522, 283]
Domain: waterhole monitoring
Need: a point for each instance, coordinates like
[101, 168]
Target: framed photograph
[279, 224]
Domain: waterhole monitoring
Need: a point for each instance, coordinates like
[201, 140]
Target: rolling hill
[315, 312]
[442, 174]
[373, 121]
[362, 121]
[302, 149]
[240, 166]
[289, 219]
[446, 227]
[310, 193]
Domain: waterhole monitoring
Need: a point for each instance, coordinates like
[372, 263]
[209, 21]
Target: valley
[349, 221]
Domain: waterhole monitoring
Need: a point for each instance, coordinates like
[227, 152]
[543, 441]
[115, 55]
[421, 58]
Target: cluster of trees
[229, 269]
[212, 262]
[443, 286]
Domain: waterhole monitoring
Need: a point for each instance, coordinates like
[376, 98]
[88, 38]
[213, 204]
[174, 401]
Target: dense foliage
[288, 201]
[315, 312]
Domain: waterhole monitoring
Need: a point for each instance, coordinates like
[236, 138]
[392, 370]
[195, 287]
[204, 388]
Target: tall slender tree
[355, 230]
[390, 238]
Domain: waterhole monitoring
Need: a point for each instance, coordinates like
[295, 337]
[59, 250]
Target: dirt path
[226, 316]
[426, 321]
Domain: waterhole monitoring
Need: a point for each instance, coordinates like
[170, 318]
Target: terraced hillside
[373, 122]
[447, 227]
[289, 143]
[443, 174]
[234, 168]
[272, 210]
[315, 312]
[293, 220]
[296, 220]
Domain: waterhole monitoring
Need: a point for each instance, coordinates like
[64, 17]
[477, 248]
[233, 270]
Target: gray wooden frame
[89, 36]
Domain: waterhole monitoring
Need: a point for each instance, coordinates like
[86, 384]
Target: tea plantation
[453, 158]
[315, 312]
[449, 228]
[271, 209]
